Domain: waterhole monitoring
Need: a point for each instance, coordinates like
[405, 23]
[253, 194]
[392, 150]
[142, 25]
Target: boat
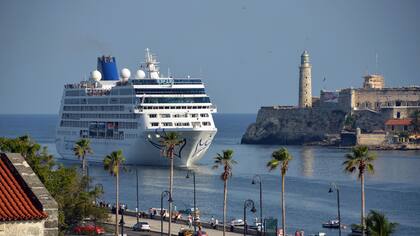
[134, 113]
[334, 224]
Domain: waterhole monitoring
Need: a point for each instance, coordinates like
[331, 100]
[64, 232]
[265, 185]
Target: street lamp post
[195, 206]
[334, 187]
[248, 203]
[122, 221]
[137, 197]
[258, 179]
[170, 200]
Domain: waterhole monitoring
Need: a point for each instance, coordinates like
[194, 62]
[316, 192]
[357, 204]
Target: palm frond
[280, 157]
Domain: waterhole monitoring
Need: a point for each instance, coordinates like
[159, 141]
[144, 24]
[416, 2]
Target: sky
[246, 51]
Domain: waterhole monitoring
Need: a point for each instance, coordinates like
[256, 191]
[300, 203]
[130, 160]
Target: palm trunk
[171, 176]
[224, 206]
[362, 183]
[117, 204]
[83, 166]
[283, 207]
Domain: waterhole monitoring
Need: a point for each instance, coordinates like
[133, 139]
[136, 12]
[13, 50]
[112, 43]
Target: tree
[65, 184]
[378, 225]
[281, 158]
[113, 163]
[226, 161]
[169, 141]
[81, 149]
[360, 159]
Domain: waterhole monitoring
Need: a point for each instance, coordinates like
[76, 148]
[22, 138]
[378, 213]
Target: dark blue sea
[394, 188]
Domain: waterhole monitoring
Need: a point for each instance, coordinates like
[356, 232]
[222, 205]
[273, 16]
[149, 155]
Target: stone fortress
[373, 115]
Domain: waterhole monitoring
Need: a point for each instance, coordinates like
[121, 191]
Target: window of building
[154, 124]
[165, 115]
[204, 115]
[206, 123]
[152, 115]
[194, 115]
[398, 115]
[167, 124]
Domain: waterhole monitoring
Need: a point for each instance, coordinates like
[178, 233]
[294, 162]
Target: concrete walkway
[175, 227]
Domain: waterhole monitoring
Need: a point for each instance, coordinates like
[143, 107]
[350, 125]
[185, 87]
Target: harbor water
[394, 188]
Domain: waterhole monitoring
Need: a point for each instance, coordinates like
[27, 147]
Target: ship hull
[145, 149]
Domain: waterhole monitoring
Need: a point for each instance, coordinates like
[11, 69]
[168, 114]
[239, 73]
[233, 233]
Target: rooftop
[17, 201]
[398, 122]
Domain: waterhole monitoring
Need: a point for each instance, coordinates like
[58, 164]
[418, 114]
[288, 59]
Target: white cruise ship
[133, 114]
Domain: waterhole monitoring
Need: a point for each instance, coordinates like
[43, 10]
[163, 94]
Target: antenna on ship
[151, 65]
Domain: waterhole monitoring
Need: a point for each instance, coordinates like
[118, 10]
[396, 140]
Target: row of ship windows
[171, 91]
[115, 91]
[165, 81]
[131, 100]
[93, 108]
[184, 115]
[172, 107]
[78, 116]
[99, 125]
[175, 100]
[178, 124]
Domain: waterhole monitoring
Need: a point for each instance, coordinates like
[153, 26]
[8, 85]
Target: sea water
[394, 188]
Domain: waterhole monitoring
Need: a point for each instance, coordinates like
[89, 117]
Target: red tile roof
[398, 122]
[17, 202]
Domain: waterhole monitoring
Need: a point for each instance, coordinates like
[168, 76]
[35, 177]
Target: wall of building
[27, 228]
[371, 139]
[375, 99]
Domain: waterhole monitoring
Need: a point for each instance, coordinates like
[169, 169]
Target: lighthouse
[305, 76]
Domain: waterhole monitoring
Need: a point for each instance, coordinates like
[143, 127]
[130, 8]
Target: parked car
[141, 226]
[237, 222]
[88, 228]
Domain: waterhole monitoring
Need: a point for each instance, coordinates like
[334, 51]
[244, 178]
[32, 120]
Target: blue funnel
[108, 68]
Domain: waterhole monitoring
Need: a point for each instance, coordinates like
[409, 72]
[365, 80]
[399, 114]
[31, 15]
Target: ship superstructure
[133, 114]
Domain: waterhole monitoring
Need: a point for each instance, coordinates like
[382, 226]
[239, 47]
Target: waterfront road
[155, 227]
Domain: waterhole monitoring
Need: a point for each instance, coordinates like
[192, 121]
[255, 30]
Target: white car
[237, 222]
[141, 226]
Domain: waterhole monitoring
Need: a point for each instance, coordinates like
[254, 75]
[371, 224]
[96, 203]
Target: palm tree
[169, 141]
[112, 163]
[281, 158]
[226, 160]
[378, 225]
[81, 149]
[360, 159]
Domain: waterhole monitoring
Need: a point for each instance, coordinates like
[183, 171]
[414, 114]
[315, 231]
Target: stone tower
[305, 76]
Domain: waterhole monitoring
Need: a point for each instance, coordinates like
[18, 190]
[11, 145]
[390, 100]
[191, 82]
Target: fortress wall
[288, 125]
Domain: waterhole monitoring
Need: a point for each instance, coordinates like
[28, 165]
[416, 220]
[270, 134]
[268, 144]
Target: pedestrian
[216, 222]
[199, 233]
[189, 221]
[212, 222]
